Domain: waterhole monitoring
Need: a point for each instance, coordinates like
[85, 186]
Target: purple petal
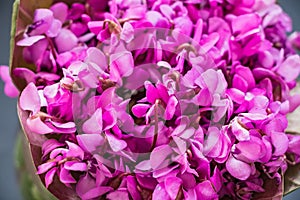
[244, 24]
[151, 92]
[252, 150]
[44, 18]
[66, 177]
[280, 142]
[205, 191]
[50, 145]
[109, 119]
[29, 41]
[132, 188]
[36, 125]
[65, 41]
[94, 124]
[96, 56]
[96, 192]
[158, 155]
[203, 98]
[10, 89]
[290, 68]
[54, 29]
[236, 95]
[60, 11]
[212, 145]
[127, 33]
[43, 168]
[115, 143]
[239, 132]
[172, 185]
[95, 26]
[118, 195]
[90, 142]
[75, 166]
[144, 165]
[294, 144]
[238, 169]
[216, 179]
[29, 99]
[121, 64]
[49, 176]
[140, 110]
[240, 83]
[74, 151]
[160, 192]
[171, 108]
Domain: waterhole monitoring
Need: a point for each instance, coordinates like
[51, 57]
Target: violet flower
[160, 99]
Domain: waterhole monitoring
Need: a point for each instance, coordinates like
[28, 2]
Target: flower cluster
[141, 99]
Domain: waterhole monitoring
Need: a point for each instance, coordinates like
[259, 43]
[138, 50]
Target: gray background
[9, 189]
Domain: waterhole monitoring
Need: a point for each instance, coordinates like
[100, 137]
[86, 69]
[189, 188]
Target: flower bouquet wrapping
[144, 99]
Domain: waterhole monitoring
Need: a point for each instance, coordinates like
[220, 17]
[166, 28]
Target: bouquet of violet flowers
[162, 100]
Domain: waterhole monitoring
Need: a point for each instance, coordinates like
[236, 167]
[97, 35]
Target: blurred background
[9, 126]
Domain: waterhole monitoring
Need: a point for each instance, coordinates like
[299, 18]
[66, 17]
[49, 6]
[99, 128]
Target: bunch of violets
[144, 99]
